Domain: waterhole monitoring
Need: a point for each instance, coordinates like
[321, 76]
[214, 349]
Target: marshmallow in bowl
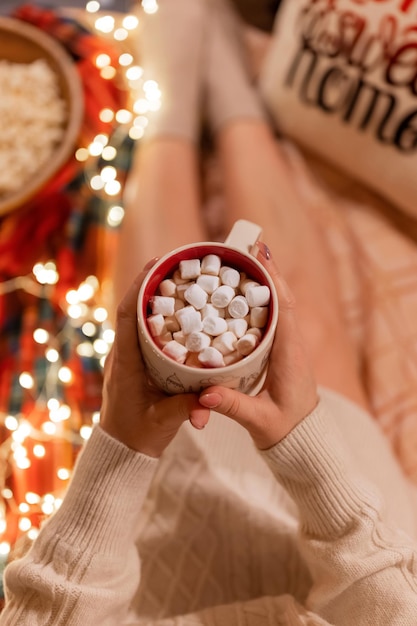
[210, 357]
[163, 305]
[257, 295]
[207, 314]
[190, 269]
[214, 326]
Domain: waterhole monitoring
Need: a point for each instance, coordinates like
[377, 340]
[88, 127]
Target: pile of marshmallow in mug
[208, 314]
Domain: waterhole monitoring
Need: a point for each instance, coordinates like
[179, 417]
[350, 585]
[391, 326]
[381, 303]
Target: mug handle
[244, 235]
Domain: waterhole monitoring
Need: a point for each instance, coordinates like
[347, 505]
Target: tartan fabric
[66, 223]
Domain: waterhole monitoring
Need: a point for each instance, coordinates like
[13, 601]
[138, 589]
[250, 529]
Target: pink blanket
[377, 266]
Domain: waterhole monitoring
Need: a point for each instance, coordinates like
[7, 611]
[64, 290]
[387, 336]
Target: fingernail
[210, 400]
[197, 425]
[264, 250]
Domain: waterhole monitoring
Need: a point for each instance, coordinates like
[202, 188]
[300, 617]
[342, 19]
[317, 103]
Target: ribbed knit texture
[314, 492]
[89, 540]
[90, 513]
[218, 537]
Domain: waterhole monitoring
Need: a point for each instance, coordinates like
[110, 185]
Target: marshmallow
[163, 339]
[237, 326]
[238, 307]
[189, 319]
[192, 360]
[195, 342]
[246, 284]
[180, 337]
[177, 278]
[168, 288]
[255, 331]
[222, 296]
[175, 351]
[172, 324]
[247, 344]
[211, 311]
[208, 315]
[214, 325]
[179, 304]
[208, 283]
[225, 343]
[210, 357]
[190, 269]
[258, 295]
[163, 305]
[181, 289]
[258, 316]
[156, 324]
[211, 264]
[196, 296]
[233, 357]
[229, 276]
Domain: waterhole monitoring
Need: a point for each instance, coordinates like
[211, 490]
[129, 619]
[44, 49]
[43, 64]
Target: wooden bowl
[23, 43]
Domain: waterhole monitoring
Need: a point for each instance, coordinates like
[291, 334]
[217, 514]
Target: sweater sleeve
[82, 568]
[363, 571]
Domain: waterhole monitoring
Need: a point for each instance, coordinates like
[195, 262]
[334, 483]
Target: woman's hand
[133, 411]
[290, 391]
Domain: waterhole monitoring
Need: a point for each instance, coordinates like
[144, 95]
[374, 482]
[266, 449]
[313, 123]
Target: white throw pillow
[341, 80]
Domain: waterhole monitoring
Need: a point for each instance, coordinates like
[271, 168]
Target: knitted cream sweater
[221, 542]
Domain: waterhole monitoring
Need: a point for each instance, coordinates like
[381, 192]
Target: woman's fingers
[290, 379]
[229, 402]
[287, 336]
[286, 299]
[181, 407]
[289, 393]
[126, 336]
[134, 412]
[259, 415]
[163, 420]
[127, 306]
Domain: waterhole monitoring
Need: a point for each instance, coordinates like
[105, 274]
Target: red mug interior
[229, 256]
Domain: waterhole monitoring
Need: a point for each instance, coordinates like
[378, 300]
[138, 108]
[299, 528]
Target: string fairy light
[86, 323]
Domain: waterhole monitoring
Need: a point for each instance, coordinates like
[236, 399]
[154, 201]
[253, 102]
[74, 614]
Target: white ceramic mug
[246, 375]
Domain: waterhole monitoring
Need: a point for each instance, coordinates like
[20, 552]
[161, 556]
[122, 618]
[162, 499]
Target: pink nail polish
[264, 250]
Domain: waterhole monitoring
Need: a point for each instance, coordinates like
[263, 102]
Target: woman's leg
[259, 188]
[162, 204]
[162, 195]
